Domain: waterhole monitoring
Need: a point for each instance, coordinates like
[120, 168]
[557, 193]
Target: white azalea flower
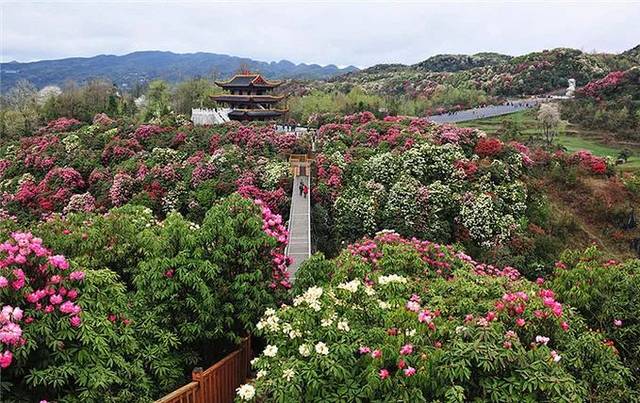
[343, 325]
[288, 374]
[246, 392]
[321, 348]
[304, 350]
[351, 286]
[270, 351]
[261, 373]
[392, 278]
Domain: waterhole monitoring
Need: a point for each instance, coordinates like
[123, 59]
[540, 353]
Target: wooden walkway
[299, 248]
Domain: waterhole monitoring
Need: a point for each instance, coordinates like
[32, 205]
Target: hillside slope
[533, 73]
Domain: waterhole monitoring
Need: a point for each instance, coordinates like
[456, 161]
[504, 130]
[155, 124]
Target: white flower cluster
[311, 297]
[343, 325]
[270, 351]
[71, 143]
[392, 278]
[486, 224]
[351, 286]
[304, 350]
[246, 392]
[269, 321]
[321, 348]
[272, 172]
[165, 155]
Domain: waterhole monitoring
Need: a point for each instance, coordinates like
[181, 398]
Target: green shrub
[606, 294]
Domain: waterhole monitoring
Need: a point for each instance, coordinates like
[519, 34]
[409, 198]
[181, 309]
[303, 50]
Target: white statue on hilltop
[572, 88]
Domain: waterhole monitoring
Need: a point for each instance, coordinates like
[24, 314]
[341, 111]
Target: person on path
[305, 190]
[301, 187]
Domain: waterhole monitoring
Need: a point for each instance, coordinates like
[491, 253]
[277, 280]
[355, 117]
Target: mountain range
[139, 67]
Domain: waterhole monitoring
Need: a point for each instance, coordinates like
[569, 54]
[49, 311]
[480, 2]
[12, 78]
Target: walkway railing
[218, 383]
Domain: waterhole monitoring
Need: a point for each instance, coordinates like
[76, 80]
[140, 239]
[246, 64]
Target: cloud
[350, 32]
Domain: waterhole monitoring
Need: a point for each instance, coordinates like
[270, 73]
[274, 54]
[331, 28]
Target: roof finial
[244, 69]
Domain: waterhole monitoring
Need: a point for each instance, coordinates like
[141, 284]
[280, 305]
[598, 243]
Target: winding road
[487, 111]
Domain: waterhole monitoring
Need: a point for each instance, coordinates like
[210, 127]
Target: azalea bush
[604, 291]
[430, 181]
[160, 297]
[57, 342]
[415, 321]
[166, 168]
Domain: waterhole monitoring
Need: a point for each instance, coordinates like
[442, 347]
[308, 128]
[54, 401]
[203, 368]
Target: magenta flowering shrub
[273, 226]
[33, 279]
[59, 125]
[383, 326]
[145, 132]
[164, 168]
[596, 88]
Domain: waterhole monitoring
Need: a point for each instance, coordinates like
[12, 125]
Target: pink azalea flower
[76, 276]
[5, 359]
[407, 349]
[424, 316]
[3, 282]
[59, 261]
[413, 306]
[565, 326]
[55, 299]
[520, 322]
[376, 354]
[410, 371]
[384, 374]
[617, 323]
[542, 340]
[364, 350]
[75, 321]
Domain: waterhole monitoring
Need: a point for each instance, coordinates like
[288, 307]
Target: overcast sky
[339, 32]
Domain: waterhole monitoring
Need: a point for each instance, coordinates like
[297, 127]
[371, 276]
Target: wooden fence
[218, 383]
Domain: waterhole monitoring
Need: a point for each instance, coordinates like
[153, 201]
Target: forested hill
[494, 73]
[140, 67]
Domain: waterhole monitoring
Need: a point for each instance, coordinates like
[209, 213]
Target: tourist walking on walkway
[301, 187]
[305, 190]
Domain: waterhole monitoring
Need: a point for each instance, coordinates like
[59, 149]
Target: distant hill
[140, 67]
[453, 63]
[496, 74]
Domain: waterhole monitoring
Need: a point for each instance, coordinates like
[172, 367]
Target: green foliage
[604, 293]
[315, 347]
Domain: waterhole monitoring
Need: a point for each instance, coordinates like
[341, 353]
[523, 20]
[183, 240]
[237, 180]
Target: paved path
[486, 112]
[299, 247]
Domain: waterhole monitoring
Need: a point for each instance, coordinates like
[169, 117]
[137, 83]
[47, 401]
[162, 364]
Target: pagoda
[249, 97]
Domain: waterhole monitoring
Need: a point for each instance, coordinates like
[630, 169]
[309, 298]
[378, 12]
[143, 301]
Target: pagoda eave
[247, 98]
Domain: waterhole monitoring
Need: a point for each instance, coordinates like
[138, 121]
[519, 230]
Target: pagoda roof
[247, 98]
[248, 80]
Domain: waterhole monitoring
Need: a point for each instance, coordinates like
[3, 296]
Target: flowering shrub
[595, 88]
[429, 181]
[50, 327]
[604, 292]
[488, 147]
[132, 301]
[401, 334]
[59, 125]
[183, 169]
